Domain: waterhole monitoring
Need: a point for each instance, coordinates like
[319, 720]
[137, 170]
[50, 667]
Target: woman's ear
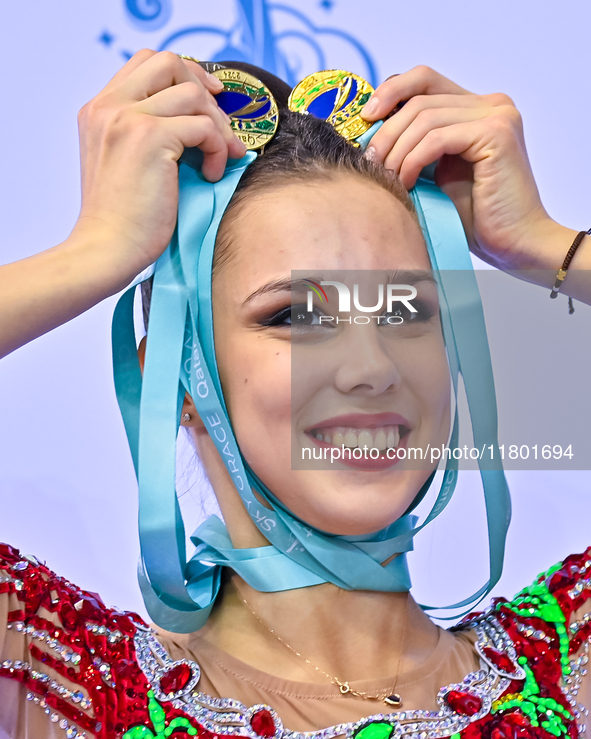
[141, 353]
[189, 416]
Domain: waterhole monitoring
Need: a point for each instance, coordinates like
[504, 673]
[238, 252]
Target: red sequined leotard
[70, 667]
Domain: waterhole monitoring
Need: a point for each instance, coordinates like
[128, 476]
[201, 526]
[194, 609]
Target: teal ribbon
[466, 340]
[180, 356]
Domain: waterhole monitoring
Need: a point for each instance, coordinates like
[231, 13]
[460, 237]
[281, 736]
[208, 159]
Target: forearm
[41, 292]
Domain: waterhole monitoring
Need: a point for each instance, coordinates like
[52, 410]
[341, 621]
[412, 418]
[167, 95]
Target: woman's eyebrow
[286, 284]
[410, 276]
[396, 277]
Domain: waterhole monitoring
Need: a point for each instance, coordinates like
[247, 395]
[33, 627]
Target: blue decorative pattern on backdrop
[276, 36]
[149, 15]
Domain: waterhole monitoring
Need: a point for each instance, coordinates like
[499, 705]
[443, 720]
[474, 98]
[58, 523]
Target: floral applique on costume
[102, 673]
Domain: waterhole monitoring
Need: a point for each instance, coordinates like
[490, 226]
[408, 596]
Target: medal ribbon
[180, 357]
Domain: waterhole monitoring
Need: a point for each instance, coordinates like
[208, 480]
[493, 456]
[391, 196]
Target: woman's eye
[294, 316]
[300, 316]
[403, 315]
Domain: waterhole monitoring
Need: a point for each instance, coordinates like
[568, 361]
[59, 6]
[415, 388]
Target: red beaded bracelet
[561, 274]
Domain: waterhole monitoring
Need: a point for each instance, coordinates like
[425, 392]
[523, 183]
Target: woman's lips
[386, 458]
[380, 434]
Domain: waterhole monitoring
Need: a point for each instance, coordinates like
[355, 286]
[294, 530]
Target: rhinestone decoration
[466, 704]
[77, 660]
[224, 716]
[71, 730]
[112, 636]
[170, 681]
[175, 679]
[110, 676]
[262, 723]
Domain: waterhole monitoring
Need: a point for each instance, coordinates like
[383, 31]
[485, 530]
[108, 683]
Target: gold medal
[335, 96]
[189, 58]
[250, 105]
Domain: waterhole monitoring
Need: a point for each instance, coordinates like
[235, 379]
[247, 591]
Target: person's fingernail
[370, 153]
[370, 107]
[217, 82]
[226, 116]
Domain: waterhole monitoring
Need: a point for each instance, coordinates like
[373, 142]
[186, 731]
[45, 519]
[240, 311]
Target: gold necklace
[389, 696]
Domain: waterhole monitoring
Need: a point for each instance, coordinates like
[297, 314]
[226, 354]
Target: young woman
[315, 657]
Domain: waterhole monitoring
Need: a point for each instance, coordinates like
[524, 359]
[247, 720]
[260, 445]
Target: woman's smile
[377, 436]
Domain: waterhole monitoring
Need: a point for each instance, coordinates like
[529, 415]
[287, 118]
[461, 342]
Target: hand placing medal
[482, 163]
[476, 142]
[132, 135]
[134, 131]
[158, 104]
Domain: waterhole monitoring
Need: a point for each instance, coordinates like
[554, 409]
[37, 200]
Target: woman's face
[354, 383]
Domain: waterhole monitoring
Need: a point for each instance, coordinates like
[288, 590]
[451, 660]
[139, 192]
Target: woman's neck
[350, 635]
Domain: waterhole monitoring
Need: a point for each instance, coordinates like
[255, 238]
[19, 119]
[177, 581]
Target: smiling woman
[297, 605]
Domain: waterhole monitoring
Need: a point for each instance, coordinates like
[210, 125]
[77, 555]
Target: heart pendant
[393, 700]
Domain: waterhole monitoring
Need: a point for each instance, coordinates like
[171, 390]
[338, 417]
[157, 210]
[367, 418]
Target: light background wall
[67, 488]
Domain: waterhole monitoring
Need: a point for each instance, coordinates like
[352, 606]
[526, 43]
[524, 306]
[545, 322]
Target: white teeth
[380, 440]
[390, 438]
[393, 436]
[365, 438]
[351, 438]
[384, 437]
[339, 438]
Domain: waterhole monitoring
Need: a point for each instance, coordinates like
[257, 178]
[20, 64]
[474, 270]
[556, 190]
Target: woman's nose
[367, 365]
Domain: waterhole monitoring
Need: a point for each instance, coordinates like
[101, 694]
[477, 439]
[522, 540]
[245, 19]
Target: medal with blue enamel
[335, 96]
[250, 105]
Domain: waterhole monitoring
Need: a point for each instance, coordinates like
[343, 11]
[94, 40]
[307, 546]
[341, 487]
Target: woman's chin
[347, 501]
[349, 513]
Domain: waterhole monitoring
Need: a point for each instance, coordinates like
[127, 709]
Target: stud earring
[186, 417]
